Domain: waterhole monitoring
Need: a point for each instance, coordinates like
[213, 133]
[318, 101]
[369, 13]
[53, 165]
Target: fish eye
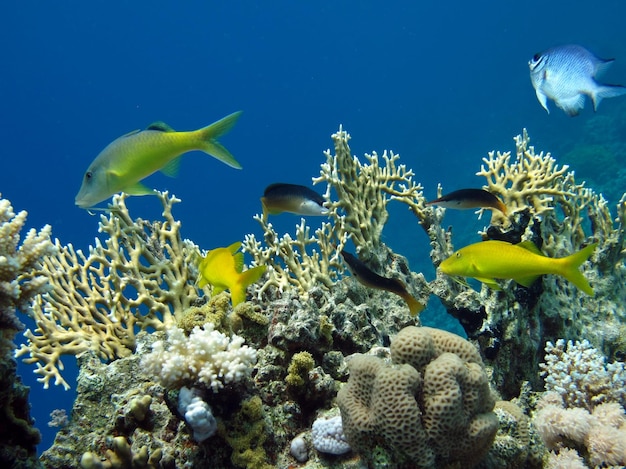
[536, 57]
[458, 255]
[88, 175]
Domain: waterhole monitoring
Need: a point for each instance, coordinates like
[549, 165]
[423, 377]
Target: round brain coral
[432, 407]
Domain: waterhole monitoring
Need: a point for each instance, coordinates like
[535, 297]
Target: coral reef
[432, 407]
[420, 397]
[21, 279]
[140, 277]
[548, 207]
[205, 356]
[581, 415]
[358, 214]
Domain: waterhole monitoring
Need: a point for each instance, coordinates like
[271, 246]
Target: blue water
[440, 83]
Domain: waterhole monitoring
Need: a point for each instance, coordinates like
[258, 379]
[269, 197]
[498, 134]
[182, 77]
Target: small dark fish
[566, 74]
[372, 280]
[469, 198]
[292, 198]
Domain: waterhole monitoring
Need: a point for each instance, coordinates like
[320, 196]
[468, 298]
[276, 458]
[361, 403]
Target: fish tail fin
[209, 144]
[415, 307]
[606, 91]
[571, 272]
[247, 278]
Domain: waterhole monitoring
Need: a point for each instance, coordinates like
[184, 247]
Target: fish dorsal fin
[171, 169]
[530, 246]
[160, 126]
[132, 132]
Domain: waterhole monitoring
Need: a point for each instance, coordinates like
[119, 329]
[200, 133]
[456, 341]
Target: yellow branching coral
[364, 190]
[141, 277]
[568, 212]
[299, 263]
[530, 180]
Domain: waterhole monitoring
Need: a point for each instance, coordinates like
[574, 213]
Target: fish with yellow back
[523, 262]
[127, 160]
[223, 269]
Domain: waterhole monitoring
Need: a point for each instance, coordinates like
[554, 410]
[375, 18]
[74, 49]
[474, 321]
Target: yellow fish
[222, 268]
[135, 156]
[523, 262]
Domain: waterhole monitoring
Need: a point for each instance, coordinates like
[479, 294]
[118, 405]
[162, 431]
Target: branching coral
[141, 277]
[359, 213]
[206, 356]
[299, 263]
[20, 265]
[364, 189]
[580, 375]
[531, 180]
[21, 278]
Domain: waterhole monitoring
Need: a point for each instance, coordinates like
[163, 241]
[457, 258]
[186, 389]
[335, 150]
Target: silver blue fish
[566, 74]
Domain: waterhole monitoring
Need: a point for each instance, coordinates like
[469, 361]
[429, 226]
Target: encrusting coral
[140, 278]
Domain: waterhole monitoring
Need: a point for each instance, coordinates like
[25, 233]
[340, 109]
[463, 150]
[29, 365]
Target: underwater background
[440, 83]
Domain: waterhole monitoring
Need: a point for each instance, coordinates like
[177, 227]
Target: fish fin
[543, 100]
[530, 246]
[527, 281]
[601, 66]
[606, 91]
[572, 106]
[571, 265]
[131, 133]
[171, 169]
[491, 283]
[233, 248]
[160, 126]
[217, 290]
[210, 145]
[250, 276]
[139, 189]
[500, 206]
[415, 307]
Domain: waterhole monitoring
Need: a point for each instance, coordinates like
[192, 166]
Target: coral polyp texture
[432, 407]
[139, 277]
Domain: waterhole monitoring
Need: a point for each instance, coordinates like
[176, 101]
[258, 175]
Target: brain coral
[432, 407]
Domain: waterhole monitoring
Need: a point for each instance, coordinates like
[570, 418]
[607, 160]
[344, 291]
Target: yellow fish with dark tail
[222, 268]
[371, 279]
[135, 156]
[523, 262]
